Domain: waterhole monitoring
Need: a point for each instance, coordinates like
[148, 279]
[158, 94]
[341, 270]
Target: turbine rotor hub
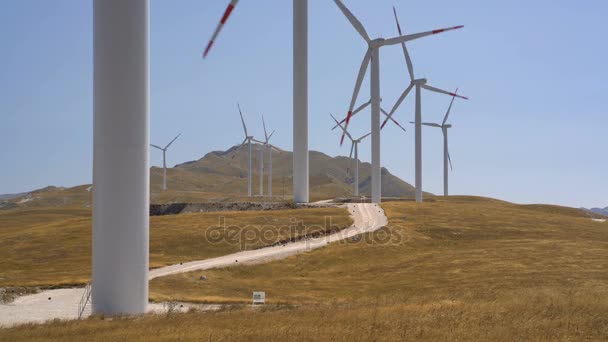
[376, 43]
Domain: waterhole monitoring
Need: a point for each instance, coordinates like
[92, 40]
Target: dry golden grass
[52, 246]
[458, 269]
[457, 249]
[529, 316]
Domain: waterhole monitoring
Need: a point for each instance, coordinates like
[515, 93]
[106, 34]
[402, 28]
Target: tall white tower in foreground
[120, 162]
[300, 101]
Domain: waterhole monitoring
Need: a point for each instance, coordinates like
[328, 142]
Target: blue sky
[533, 131]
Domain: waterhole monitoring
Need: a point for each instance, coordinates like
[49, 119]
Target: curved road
[63, 303]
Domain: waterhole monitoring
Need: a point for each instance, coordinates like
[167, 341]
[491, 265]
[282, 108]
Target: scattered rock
[203, 278]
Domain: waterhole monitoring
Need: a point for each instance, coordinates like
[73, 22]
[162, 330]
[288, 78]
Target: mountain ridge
[222, 176]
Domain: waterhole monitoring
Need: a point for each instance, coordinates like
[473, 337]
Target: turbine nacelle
[420, 81]
[376, 43]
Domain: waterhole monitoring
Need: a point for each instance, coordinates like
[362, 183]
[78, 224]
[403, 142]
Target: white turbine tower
[446, 153]
[419, 84]
[373, 55]
[262, 147]
[266, 145]
[300, 94]
[247, 140]
[164, 149]
[354, 147]
[121, 168]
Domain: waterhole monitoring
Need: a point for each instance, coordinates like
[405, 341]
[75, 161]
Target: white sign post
[259, 298]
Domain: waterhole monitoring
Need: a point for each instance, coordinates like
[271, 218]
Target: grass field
[52, 246]
[462, 268]
[459, 249]
[527, 317]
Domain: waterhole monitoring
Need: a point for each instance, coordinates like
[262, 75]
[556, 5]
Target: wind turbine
[446, 153]
[164, 149]
[268, 146]
[248, 139]
[354, 147]
[372, 56]
[419, 84]
[300, 94]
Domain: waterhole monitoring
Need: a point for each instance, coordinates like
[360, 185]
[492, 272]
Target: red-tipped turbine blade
[398, 124]
[219, 27]
[350, 113]
[441, 91]
[448, 29]
[406, 38]
[397, 21]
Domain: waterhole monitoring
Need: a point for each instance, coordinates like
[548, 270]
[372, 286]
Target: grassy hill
[222, 176]
[458, 268]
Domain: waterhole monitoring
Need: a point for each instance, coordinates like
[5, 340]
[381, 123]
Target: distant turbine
[165, 160]
[269, 147]
[419, 84]
[248, 139]
[372, 56]
[446, 153]
[354, 147]
[300, 93]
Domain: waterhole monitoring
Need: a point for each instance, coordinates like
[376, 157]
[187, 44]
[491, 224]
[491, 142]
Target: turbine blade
[445, 118]
[407, 38]
[360, 108]
[365, 136]
[450, 161]
[264, 124]
[360, 77]
[336, 120]
[242, 120]
[166, 147]
[352, 148]
[431, 124]
[408, 60]
[440, 91]
[158, 147]
[270, 136]
[391, 118]
[344, 131]
[353, 20]
[398, 103]
[219, 27]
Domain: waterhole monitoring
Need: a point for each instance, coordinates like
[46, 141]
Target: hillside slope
[226, 171]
